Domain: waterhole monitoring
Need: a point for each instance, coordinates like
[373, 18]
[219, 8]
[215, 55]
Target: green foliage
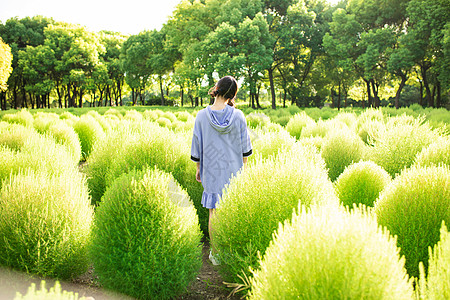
[257, 119]
[436, 153]
[23, 117]
[437, 284]
[45, 224]
[340, 149]
[413, 207]
[137, 145]
[14, 136]
[54, 293]
[89, 132]
[24, 149]
[270, 143]
[397, 147]
[133, 115]
[260, 197]
[146, 238]
[66, 135]
[5, 64]
[297, 123]
[361, 183]
[331, 254]
[164, 122]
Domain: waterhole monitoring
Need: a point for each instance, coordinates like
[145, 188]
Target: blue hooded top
[219, 143]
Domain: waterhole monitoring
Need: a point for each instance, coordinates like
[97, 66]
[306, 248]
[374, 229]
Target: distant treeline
[359, 53]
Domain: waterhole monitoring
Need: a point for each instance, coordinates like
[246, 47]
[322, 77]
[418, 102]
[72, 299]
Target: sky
[126, 16]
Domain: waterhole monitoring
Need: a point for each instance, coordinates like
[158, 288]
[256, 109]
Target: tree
[5, 70]
[5, 64]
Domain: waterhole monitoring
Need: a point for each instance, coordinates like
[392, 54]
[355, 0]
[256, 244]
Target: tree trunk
[399, 90]
[375, 93]
[339, 97]
[80, 98]
[438, 95]
[424, 70]
[196, 101]
[284, 99]
[272, 89]
[421, 93]
[181, 95]
[369, 93]
[162, 91]
[257, 98]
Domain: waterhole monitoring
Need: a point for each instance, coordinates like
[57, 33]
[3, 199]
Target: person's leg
[211, 216]
[212, 252]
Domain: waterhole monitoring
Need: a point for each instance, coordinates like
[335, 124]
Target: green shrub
[23, 117]
[436, 153]
[89, 132]
[297, 123]
[183, 116]
[437, 284]
[371, 130]
[270, 143]
[146, 238]
[331, 254]
[113, 112]
[398, 146]
[340, 149]
[42, 121]
[133, 115]
[152, 114]
[45, 224]
[316, 129]
[413, 207]
[282, 120]
[315, 142]
[293, 109]
[348, 118]
[68, 116]
[14, 136]
[55, 293]
[257, 119]
[66, 135]
[361, 183]
[137, 145]
[260, 197]
[169, 115]
[37, 152]
[164, 122]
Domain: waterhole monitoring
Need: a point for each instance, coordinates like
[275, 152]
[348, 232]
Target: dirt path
[207, 285]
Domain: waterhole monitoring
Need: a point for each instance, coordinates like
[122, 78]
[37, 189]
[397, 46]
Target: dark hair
[226, 87]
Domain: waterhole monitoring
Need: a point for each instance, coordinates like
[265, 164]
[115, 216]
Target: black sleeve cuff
[195, 159]
[247, 153]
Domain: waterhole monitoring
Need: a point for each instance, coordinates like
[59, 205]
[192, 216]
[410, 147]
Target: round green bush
[89, 132]
[398, 146]
[259, 198]
[437, 284]
[340, 149]
[66, 135]
[133, 115]
[35, 152]
[361, 183]
[331, 254]
[45, 224]
[257, 119]
[316, 129]
[413, 207]
[297, 123]
[270, 143]
[68, 116]
[14, 136]
[183, 116]
[22, 117]
[436, 153]
[348, 118]
[169, 115]
[42, 121]
[164, 122]
[137, 145]
[146, 237]
[113, 112]
[371, 130]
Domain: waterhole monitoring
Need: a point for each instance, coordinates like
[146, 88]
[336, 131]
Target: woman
[220, 145]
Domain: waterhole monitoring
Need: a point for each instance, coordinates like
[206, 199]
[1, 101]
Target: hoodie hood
[222, 119]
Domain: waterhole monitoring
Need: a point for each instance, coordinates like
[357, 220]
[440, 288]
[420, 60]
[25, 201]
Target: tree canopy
[306, 51]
